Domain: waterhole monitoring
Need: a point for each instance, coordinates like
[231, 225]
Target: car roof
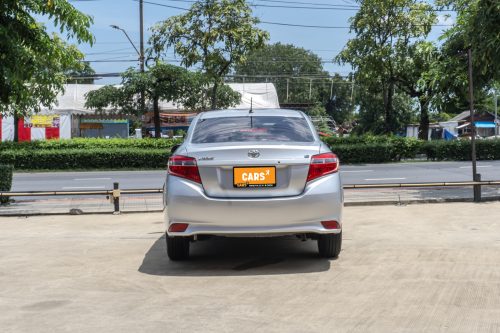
[255, 112]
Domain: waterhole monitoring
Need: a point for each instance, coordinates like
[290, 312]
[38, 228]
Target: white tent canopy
[259, 95]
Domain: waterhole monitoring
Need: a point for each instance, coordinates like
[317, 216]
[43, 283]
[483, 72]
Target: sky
[112, 46]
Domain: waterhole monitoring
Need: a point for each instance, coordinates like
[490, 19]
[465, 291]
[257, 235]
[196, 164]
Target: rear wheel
[329, 245]
[177, 248]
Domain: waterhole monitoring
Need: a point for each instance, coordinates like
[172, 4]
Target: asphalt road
[352, 174]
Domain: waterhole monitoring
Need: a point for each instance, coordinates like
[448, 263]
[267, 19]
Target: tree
[161, 82]
[477, 27]
[416, 79]
[371, 114]
[33, 62]
[287, 66]
[385, 30]
[214, 34]
[299, 77]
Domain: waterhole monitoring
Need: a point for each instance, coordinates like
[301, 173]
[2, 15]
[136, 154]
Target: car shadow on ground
[221, 256]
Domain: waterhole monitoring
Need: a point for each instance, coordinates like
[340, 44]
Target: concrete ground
[418, 268]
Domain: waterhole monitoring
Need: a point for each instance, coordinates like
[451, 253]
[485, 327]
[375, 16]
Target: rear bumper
[322, 200]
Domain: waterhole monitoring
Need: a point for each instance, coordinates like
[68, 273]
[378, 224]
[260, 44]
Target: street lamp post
[139, 53]
[126, 34]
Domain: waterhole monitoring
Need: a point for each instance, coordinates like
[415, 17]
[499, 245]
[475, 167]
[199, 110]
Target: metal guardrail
[159, 190]
[63, 193]
[432, 184]
[117, 192]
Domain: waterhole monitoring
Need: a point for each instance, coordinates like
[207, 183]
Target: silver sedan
[253, 173]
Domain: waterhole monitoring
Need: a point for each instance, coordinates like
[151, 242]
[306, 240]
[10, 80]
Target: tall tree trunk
[423, 131]
[156, 116]
[16, 128]
[214, 95]
[388, 107]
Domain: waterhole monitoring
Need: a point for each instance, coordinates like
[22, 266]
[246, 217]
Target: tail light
[330, 224]
[178, 227]
[322, 164]
[185, 167]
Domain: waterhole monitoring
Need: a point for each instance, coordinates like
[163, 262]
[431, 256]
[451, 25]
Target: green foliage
[215, 34]
[320, 119]
[90, 143]
[385, 31]
[5, 181]
[33, 63]
[371, 115]
[477, 26]
[460, 150]
[366, 153]
[288, 67]
[161, 82]
[97, 158]
[374, 149]
[87, 153]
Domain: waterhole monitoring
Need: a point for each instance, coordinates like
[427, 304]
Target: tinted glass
[252, 128]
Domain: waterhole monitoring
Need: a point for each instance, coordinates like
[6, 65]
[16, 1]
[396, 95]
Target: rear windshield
[252, 128]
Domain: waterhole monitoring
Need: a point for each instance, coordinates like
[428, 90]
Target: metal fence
[118, 200]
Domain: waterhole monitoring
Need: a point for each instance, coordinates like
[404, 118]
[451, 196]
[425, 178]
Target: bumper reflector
[330, 224]
[178, 227]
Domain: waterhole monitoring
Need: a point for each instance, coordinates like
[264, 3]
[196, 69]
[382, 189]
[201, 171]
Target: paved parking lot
[403, 269]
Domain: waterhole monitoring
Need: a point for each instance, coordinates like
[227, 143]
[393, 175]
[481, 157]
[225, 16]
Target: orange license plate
[254, 176]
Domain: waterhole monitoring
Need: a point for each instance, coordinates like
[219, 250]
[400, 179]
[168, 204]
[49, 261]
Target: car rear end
[259, 173]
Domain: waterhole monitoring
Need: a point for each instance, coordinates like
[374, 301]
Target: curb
[412, 202]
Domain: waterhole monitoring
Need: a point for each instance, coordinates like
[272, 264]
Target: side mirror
[174, 148]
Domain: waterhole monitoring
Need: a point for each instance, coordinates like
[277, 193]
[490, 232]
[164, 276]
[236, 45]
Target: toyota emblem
[254, 153]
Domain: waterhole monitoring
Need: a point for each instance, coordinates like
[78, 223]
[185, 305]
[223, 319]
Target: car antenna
[251, 105]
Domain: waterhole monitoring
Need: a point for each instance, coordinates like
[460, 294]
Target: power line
[85, 60]
[108, 51]
[277, 23]
[312, 6]
[304, 26]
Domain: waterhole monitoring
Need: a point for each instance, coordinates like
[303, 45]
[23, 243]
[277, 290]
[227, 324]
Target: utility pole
[287, 86]
[141, 29]
[496, 113]
[141, 52]
[475, 177]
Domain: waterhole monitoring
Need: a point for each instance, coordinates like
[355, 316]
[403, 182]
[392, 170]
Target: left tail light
[185, 167]
[322, 165]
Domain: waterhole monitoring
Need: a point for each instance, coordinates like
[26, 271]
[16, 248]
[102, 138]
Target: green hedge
[154, 153]
[374, 149]
[5, 181]
[460, 150]
[91, 143]
[114, 158]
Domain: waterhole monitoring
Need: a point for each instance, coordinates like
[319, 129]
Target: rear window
[252, 128]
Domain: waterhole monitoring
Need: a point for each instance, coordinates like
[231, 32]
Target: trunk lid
[216, 163]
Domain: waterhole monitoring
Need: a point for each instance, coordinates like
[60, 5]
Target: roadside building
[69, 118]
[458, 126]
[484, 122]
[435, 131]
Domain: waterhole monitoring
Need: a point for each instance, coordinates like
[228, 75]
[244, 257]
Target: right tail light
[322, 165]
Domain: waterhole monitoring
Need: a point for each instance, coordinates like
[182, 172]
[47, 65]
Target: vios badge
[254, 153]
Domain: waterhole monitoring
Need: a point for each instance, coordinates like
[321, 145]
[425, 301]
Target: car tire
[329, 246]
[177, 248]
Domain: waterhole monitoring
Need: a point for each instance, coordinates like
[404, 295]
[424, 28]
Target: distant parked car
[253, 173]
